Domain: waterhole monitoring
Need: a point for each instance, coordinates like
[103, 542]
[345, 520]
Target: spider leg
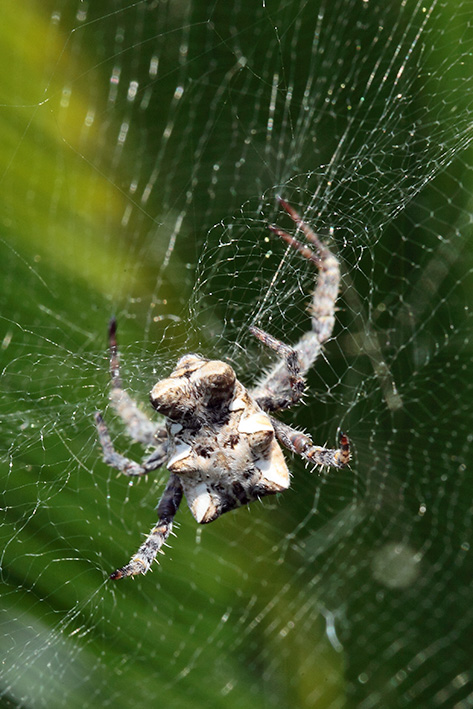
[138, 425]
[148, 551]
[290, 395]
[322, 309]
[328, 283]
[120, 462]
[301, 444]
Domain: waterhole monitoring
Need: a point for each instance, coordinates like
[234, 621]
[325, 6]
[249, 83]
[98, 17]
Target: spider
[220, 441]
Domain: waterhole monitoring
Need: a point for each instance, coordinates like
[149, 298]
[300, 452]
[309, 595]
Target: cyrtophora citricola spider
[220, 441]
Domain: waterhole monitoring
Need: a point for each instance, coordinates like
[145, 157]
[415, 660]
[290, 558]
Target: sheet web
[144, 146]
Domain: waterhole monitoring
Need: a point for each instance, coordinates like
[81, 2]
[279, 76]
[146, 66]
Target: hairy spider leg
[138, 425]
[148, 551]
[328, 282]
[301, 444]
[290, 358]
[277, 384]
[123, 464]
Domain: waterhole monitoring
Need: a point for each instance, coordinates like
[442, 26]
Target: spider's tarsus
[344, 449]
[112, 343]
[112, 337]
[276, 345]
[295, 216]
[311, 236]
[285, 205]
[116, 575]
[126, 571]
[297, 245]
[291, 358]
[112, 330]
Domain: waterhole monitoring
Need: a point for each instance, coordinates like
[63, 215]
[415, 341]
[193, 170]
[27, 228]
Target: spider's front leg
[122, 463]
[328, 283]
[138, 425]
[148, 551]
[279, 384]
[301, 444]
[291, 394]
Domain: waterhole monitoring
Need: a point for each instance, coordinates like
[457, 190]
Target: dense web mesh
[143, 147]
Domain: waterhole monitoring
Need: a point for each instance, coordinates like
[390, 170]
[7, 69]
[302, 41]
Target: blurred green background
[142, 146]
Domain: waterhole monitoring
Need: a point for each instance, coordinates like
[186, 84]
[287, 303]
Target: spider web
[143, 147]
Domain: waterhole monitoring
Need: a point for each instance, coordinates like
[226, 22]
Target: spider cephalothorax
[220, 442]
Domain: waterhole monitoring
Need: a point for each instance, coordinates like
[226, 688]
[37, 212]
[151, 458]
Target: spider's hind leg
[120, 462]
[148, 551]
